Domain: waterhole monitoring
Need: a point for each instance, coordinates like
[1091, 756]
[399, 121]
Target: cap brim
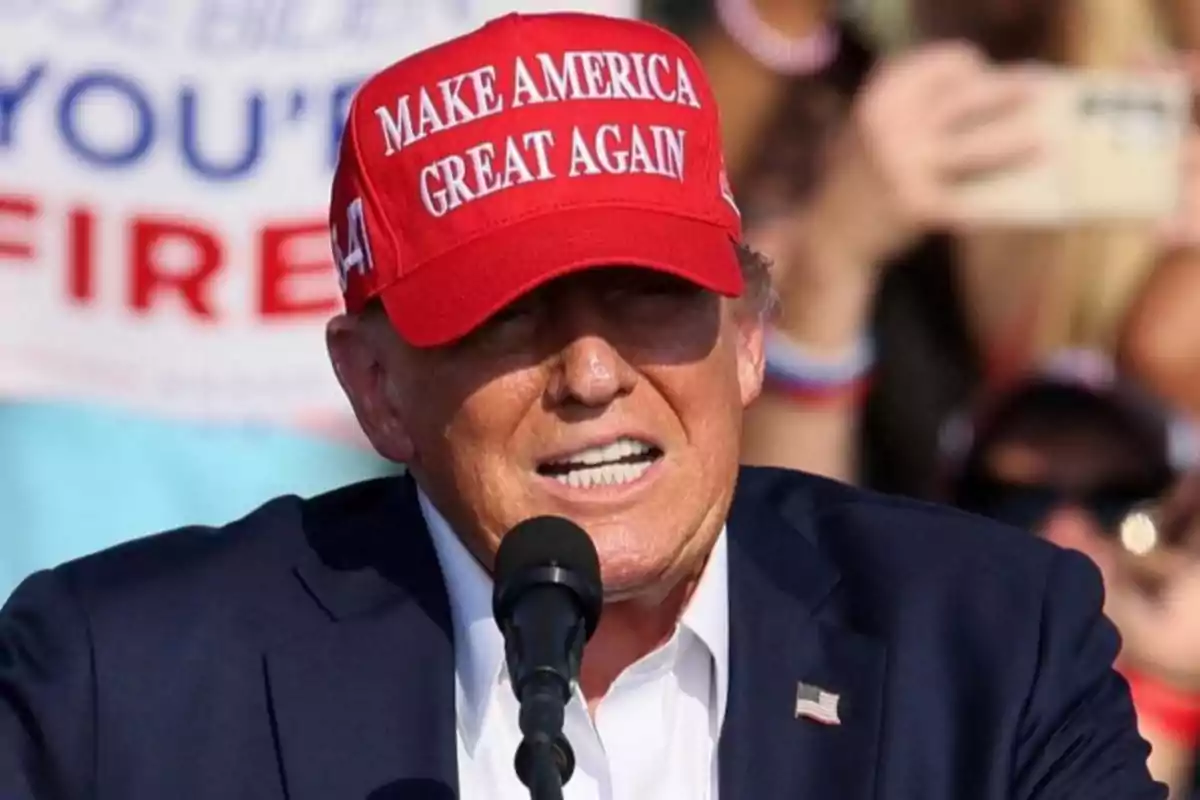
[448, 297]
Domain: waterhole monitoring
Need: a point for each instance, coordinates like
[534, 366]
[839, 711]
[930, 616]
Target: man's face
[613, 397]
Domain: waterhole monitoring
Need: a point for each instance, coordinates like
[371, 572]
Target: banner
[164, 174]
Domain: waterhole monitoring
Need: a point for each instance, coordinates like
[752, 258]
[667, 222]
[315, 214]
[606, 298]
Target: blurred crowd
[1044, 375]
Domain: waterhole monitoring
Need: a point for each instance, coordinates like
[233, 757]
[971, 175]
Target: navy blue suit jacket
[305, 652]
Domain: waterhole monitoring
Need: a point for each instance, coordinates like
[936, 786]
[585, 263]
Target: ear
[360, 354]
[751, 359]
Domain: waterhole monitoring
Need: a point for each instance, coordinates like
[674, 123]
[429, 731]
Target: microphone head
[548, 550]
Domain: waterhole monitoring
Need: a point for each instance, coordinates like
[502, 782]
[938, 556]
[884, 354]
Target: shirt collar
[478, 643]
[707, 617]
[479, 646]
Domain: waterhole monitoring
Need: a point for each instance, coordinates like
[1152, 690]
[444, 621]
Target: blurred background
[984, 254]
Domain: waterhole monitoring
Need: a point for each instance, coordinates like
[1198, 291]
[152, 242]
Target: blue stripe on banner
[77, 479]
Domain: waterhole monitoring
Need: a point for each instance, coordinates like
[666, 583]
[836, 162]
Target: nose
[590, 370]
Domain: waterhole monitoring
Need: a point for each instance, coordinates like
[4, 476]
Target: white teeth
[600, 466]
[604, 475]
[621, 448]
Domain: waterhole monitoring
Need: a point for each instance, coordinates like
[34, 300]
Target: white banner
[164, 174]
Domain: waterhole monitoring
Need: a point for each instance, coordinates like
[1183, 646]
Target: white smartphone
[1114, 150]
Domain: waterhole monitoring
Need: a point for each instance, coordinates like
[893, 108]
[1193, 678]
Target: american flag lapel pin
[813, 702]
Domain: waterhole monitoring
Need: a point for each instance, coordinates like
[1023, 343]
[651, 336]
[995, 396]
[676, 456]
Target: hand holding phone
[1113, 147]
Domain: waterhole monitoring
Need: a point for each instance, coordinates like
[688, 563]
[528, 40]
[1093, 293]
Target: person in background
[892, 315]
[784, 72]
[1071, 443]
[1083, 456]
[1153, 596]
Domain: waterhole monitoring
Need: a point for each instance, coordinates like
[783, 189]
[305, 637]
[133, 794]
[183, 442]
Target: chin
[650, 591]
[628, 576]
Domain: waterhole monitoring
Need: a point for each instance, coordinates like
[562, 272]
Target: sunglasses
[1027, 505]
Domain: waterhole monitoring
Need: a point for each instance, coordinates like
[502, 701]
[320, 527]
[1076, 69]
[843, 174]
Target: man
[547, 314]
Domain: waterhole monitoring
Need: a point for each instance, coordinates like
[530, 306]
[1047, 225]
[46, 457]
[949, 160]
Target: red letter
[22, 208]
[81, 226]
[154, 244]
[294, 254]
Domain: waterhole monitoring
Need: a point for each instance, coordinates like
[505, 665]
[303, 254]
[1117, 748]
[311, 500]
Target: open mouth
[614, 464]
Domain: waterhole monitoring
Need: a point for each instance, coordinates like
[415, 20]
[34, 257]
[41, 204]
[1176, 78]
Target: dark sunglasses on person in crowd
[1027, 505]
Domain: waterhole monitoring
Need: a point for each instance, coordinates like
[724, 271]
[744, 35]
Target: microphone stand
[546, 615]
[545, 781]
[544, 761]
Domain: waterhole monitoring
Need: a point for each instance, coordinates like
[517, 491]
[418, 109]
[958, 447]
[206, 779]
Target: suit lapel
[362, 695]
[787, 628]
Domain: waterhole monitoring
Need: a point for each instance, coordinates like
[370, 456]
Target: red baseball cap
[536, 146]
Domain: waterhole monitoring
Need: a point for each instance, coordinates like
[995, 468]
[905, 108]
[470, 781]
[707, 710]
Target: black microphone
[547, 602]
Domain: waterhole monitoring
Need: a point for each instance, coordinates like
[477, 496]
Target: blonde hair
[1075, 284]
[1072, 287]
[1098, 270]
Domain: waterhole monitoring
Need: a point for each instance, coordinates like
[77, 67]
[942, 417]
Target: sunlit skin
[585, 360]
[1186, 18]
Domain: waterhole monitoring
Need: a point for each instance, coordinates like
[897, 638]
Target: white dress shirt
[655, 733]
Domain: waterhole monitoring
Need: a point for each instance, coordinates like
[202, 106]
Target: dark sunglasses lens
[1021, 506]
[1111, 506]
[1109, 512]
